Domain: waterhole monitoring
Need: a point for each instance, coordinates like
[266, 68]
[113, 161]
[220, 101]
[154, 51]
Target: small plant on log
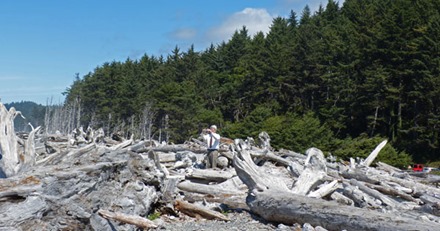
[153, 216]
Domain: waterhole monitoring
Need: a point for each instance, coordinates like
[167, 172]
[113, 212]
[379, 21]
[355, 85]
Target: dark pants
[211, 160]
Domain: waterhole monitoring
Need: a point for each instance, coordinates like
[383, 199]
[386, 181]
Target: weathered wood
[155, 157]
[295, 168]
[17, 155]
[166, 157]
[430, 199]
[433, 179]
[211, 175]
[358, 175]
[216, 189]
[374, 193]
[252, 177]
[29, 155]
[384, 188]
[356, 195]
[278, 205]
[324, 190]
[264, 140]
[33, 207]
[285, 153]
[169, 189]
[367, 162]
[268, 155]
[315, 170]
[232, 201]
[129, 219]
[22, 186]
[289, 208]
[407, 183]
[166, 148]
[388, 168]
[124, 144]
[340, 198]
[194, 211]
[72, 154]
[77, 180]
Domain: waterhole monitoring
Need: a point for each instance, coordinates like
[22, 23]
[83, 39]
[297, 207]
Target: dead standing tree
[17, 154]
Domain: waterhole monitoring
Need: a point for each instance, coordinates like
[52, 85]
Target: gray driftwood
[198, 211]
[270, 199]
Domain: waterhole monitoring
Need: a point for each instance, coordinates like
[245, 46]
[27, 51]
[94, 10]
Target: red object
[418, 168]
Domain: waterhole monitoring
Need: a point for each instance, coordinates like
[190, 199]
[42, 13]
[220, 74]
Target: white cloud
[255, 20]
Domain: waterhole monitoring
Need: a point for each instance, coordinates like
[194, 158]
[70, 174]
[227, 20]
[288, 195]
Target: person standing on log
[212, 139]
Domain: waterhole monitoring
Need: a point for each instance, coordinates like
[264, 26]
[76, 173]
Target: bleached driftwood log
[198, 211]
[289, 208]
[211, 175]
[215, 189]
[367, 162]
[324, 190]
[129, 219]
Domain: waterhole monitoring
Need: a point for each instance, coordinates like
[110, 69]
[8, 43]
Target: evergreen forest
[341, 79]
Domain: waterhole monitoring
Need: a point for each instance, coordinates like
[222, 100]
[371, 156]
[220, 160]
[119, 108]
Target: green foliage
[435, 164]
[295, 132]
[153, 216]
[362, 146]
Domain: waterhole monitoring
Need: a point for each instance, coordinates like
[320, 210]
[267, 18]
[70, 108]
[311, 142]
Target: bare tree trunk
[375, 121]
[14, 157]
[78, 114]
[8, 141]
[167, 139]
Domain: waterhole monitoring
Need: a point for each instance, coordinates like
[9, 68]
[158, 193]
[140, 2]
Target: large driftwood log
[216, 189]
[289, 208]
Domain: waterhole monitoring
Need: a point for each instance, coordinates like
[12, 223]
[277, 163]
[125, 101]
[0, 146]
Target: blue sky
[44, 43]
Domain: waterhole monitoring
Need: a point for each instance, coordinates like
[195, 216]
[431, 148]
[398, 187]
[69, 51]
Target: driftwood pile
[86, 181]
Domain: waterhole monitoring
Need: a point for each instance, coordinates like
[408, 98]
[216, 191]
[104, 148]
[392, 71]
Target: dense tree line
[333, 79]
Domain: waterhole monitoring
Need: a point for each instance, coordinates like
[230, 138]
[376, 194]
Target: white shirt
[212, 140]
